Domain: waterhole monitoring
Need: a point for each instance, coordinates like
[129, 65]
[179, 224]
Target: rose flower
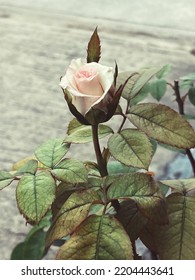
[90, 92]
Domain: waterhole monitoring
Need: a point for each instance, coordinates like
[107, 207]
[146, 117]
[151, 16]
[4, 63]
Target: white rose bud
[89, 91]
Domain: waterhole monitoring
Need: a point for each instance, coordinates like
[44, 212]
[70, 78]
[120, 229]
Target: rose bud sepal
[106, 108]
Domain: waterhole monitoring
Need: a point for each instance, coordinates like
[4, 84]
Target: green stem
[122, 124]
[100, 160]
[124, 117]
[102, 164]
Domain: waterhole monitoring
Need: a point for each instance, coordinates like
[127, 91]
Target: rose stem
[100, 160]
[102, 164]
[181, 111]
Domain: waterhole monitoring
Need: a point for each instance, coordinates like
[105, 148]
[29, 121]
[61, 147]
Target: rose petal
[84, 103]
[68, 79]
[88, 81]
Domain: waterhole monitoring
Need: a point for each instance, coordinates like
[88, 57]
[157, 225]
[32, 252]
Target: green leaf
[35, 194]
[95, 180]
[97, 238]
[136, 82]
[70, 171]
[33, 247]
[141, 188]
[143, 93]
[131, 147]
[189, 117]
[191, 95]
[175, 241]
[164, 188]
[73, 126]
[129, 216]
[189, 77]
[94, 48]
[63, 191]
[185, 84]
[164, 71]
[122, 77]
[18, 252]
[154, 146]
[173, 149]
[187, 81]
[163, 124]
[115, 168]
[29, 167]
[182, 186]
[95, 183]
[51, 152]
[72, 213]
[78, 133]
[5, 179]
[158, 89]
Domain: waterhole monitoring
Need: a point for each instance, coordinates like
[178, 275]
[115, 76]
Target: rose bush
[98, 210]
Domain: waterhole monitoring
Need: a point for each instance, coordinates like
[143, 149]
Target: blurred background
[37, 41]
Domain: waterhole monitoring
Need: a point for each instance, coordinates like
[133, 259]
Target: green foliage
[143, 93]
[35, 194]
[5, 179]
[30, 167]
[98, 209]
[142, 189]
[115, 168]
[176, 240]
[78, 133]
[137, 81]
[51, 152]
[189, 77]
[129, 215]
[71, 171]
[164, 71]
[187, 82]
[33, 247]
[158, 89]
[131, 147]
[72, 213]
[163, 124]
[191, 95]
[97, 238]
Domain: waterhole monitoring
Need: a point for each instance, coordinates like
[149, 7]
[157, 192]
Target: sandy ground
[37, 41]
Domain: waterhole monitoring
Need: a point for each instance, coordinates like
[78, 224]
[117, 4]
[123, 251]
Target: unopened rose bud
[89, 91]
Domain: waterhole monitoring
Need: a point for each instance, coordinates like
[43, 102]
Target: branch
[101, 161]
[178, 98]
[181, 111]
